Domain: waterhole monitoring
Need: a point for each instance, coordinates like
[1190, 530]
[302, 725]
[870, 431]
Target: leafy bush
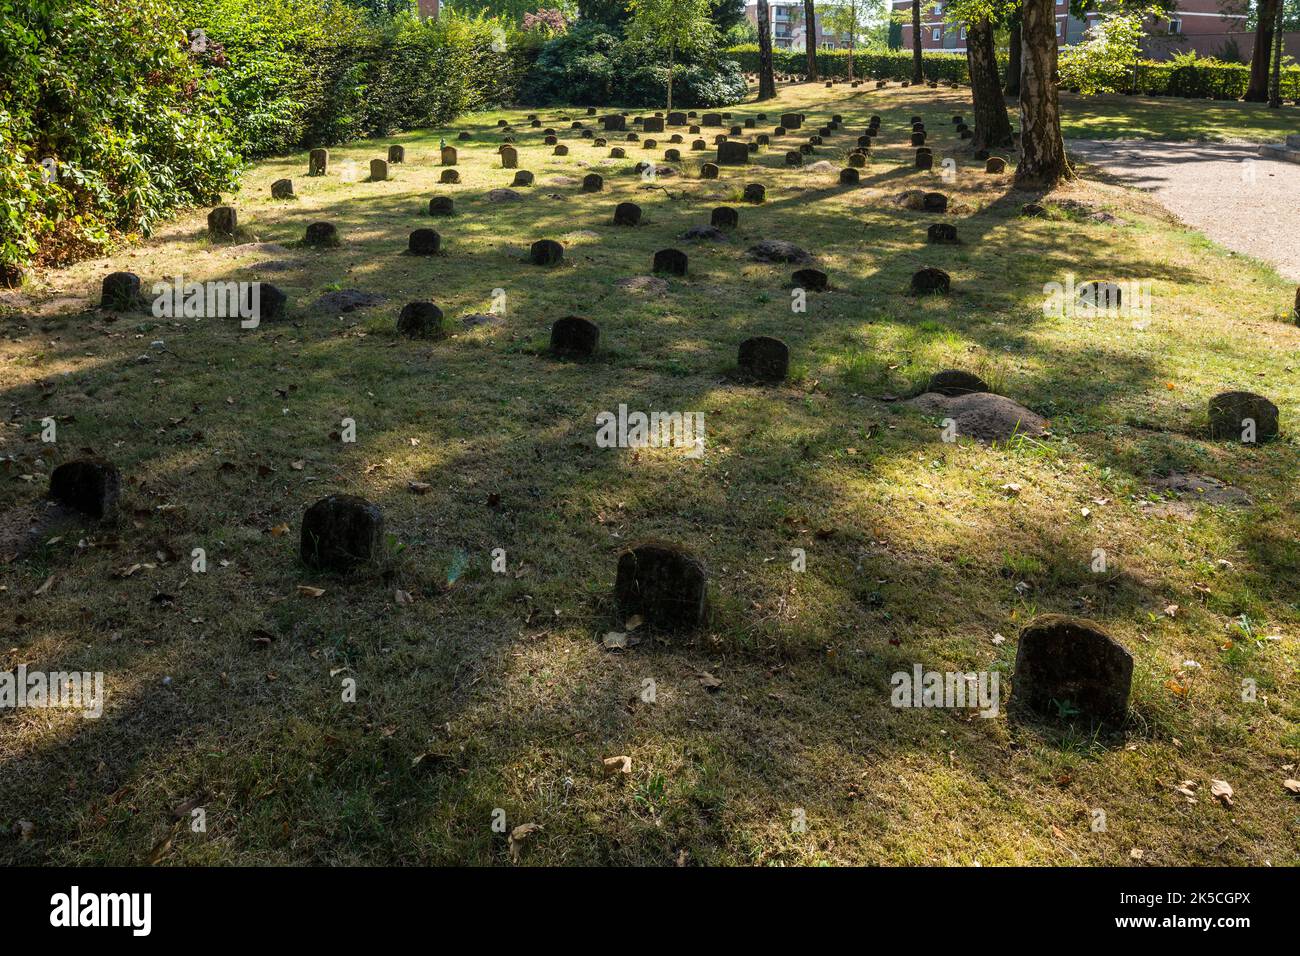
[869, 64]
[1103, 62]
[593, 65]
[106, 123]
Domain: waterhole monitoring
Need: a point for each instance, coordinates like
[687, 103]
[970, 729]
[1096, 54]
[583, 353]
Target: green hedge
[1217, 81]
[874, 65]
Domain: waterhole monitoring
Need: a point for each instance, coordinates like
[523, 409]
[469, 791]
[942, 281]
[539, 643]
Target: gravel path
[1227, 191]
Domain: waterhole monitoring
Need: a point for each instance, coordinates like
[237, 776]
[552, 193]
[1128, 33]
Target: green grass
[494, 692]
[1174, 119]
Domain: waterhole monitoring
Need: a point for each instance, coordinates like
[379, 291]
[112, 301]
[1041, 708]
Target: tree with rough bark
[1262, 53]
[766, 73]
[992, 124]
[1043, 163]
[810, 36]
[1275, 85]
[918, 71]
[672, 25]
[1012, 86]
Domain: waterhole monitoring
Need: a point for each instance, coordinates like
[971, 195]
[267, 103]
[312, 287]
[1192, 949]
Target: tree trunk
[670, 78]
[766, 76]
[1275, 89]
[810, 36]
[918, 74]
[1042, 150]
[992, 125]
[1257, 91]
[1013, 59]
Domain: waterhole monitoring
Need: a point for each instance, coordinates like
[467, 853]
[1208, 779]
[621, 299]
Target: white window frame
[937, 34]
[1175, 26]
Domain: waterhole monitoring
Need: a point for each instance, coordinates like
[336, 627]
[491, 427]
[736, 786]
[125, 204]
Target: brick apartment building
[788, 28]
[1200, 25]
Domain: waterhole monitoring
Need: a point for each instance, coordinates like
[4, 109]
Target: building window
[936, 33]
[963, 33]
[1175, 26]
[1058, 27]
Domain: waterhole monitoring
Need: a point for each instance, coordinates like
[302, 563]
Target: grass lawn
[1174, 119]
[493, 691]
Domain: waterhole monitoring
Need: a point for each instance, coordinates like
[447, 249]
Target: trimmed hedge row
[1217, 81]
[875, 64]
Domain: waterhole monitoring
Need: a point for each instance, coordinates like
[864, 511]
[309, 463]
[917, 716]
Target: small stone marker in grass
[812, 280]
[732, 153]
[318, 162]
[794, 158]
[522, 178]
[791, 120]
[90, 486]
[671, 261]
[378, 171]
[1068, 666]
[449, 176]
[574, 337]
[699, 144]
[709, 171]
[617, 152]
[424, 242]
[546, 252]
[341, 532]
[652, 124]
[924, 159]
[509, 157]
[672, 156]
[321, 235]
[764, 359]
[849, 176]
[724, 217]
[627, 214]
[755, 192]
[464, 135]
[858, 160]
[930, 281]
[934, 202]
[592, 183]
[614, 123]
[942, 233]
[677, 119]
[282, 189]
[120, 292]
[222, 222]
[561, 150]
[396, 154]
[449, 156]
[420, 320]
[663, 584]
[995, 164]
[1244, 417]
[954, 382]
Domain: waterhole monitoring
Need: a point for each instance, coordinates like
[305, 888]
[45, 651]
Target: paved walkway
[1227, 191]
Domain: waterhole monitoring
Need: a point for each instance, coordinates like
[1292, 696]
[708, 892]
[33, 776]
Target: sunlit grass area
[485, 696]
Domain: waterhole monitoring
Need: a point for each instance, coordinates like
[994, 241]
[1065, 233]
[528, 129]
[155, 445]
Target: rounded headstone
[120, 292]
[90, 486]
[662, 584]
[574, 336]
[813, 280]
[378, 171]
[1069, 666]
[522, 178]
[709, 171]
[755, 192]
[449, 176]
[724, 217]
[671, 261]
[849, 176]
[942, 233]
[340, 533]
[546, 252]
[222, 222]
[321, 235]
[995, 164]
[592, 183]
[396, 154]
[424, 242]
[318, 162]
[1244, 417]
[627, 214]
[282, 189]
[420, 320]
[930, 281]
[441, 206]
[764, 359]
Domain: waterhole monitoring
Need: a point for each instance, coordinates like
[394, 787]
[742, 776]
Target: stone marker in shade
[90, 486]
[574, 337]
[340, 533]
[1067, 666]
[663, 584]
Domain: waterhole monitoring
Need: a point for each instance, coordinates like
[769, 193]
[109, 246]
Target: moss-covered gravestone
[1067, 667]
[663, 584]
[340, 533]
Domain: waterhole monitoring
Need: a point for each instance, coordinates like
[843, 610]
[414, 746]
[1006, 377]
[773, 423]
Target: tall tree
[1012, 87]
[992, 125]
[810, 36]
[1275, 84]
[1043, 163]
[845, 18]
[1265, 19]
[766, 75]
[918, 73]
[673, 26]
